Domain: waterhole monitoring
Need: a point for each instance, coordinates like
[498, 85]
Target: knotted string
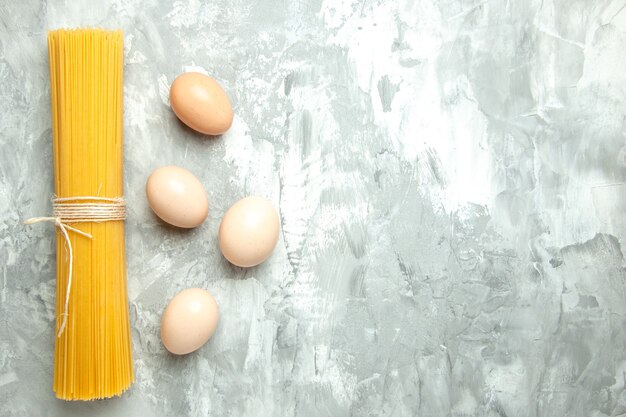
[71, 210]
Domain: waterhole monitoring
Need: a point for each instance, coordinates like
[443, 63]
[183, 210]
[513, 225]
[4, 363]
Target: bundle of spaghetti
[92, 354]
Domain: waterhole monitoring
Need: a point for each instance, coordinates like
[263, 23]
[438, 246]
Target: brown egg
[249, 231]
[189, 321]
[200, 103]
[177, 197]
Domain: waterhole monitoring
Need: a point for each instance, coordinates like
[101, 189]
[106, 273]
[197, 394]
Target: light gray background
[450, 181]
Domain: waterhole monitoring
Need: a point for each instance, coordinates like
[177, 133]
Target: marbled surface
[450, 180]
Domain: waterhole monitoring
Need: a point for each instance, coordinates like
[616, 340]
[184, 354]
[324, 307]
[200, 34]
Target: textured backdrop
[450, 180]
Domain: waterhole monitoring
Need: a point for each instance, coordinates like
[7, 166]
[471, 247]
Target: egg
[189, 321]
[200, 103]
[249, 231]
[177, 197]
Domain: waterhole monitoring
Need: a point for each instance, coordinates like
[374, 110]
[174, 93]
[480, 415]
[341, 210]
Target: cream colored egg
[200, 103]
[177, 197]
[249, 231]
[189, 321]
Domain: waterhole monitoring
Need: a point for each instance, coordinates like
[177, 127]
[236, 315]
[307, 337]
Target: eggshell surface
[249, 231]
[189, 321]
[177, 197]
[200, 103]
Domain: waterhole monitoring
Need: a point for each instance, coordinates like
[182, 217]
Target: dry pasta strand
[92, 358]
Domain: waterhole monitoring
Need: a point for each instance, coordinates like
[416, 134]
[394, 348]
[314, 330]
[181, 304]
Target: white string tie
[72, 210]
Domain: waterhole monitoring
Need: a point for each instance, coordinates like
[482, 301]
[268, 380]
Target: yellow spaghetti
[92, 355]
